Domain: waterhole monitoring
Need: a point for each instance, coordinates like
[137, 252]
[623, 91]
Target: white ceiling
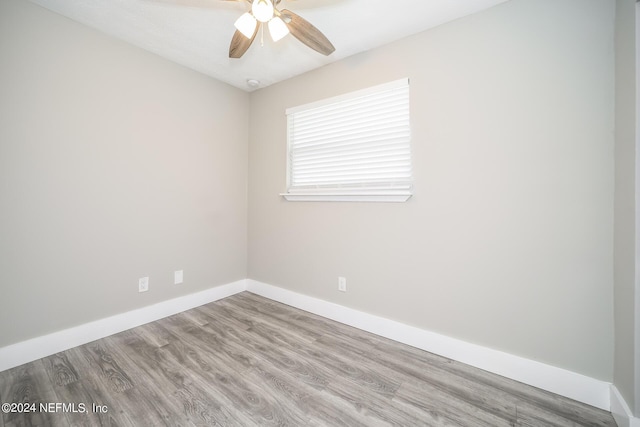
[196, 33]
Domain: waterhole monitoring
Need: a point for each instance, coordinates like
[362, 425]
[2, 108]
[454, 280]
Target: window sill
[337, 197]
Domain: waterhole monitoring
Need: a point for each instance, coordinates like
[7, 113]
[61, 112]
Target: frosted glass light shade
[278, 29]
[246, 24]
[262, 10]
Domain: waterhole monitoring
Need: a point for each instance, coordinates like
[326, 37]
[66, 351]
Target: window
[354, 147]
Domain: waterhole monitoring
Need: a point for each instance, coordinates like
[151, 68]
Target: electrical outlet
[342, 284]
[143, 284]
[178, 277]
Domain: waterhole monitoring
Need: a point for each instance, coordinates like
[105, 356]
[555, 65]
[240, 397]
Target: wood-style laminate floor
[249, 361]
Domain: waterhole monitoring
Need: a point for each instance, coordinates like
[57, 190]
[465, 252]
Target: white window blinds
[354, 144]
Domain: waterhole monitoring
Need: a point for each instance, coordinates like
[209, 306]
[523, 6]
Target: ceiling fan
[280, 23]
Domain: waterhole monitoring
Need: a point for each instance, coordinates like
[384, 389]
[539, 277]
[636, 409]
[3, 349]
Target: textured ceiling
[196, 33]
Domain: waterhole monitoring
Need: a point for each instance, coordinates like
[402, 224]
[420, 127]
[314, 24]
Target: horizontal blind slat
[373, 128]
[342, 163]
[364, 170]
[354, 142]
[339, 159]
[357, 180]
[301, 126]
[361, 170]
[353, 138]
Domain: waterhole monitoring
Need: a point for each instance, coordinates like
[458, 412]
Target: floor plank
[81, 385]
[249, 361]
[27, 384]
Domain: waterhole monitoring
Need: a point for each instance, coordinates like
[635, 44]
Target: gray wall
[625, 201]
[507, 241]
[114, 164]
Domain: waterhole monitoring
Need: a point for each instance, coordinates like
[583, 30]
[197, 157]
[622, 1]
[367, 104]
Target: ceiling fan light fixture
[262, 10]
[278, 29]
[281, 23]
[246, 24]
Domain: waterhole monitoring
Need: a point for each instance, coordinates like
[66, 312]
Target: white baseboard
[556, 380]
[36, 348]
[620, 410]
[560, 381]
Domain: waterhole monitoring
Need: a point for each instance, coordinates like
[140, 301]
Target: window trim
[347, 194]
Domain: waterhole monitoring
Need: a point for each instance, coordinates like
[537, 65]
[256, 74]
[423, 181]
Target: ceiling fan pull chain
[261, 35]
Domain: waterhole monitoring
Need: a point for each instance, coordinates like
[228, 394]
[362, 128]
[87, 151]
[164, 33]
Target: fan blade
[307, 33]
[240, 44]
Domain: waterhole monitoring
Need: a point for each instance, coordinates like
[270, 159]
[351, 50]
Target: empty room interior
[177, 249]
